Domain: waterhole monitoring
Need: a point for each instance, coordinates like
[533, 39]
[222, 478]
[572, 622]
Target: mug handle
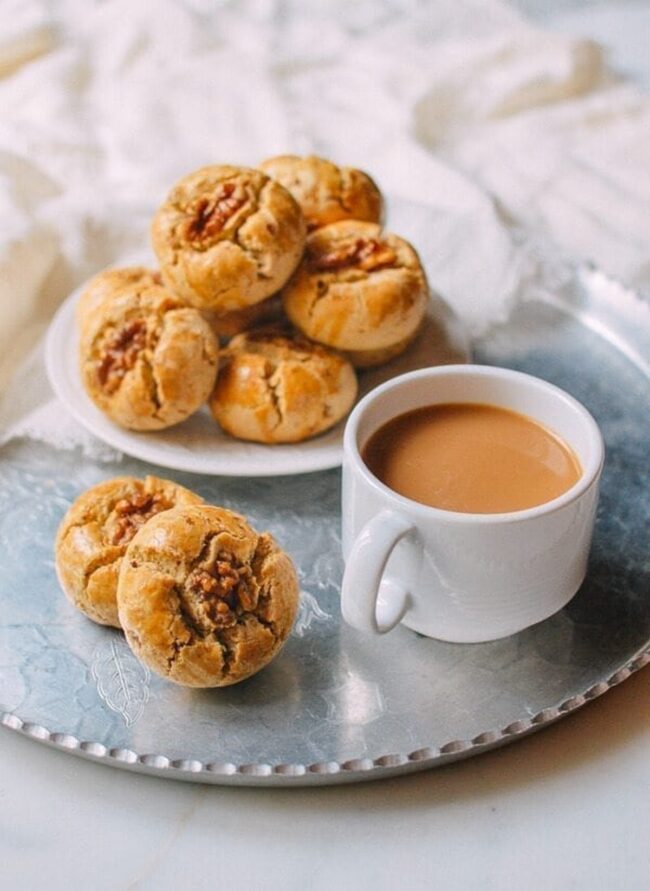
[364, 570]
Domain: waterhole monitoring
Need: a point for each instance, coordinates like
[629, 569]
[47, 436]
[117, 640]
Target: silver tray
[337, 706]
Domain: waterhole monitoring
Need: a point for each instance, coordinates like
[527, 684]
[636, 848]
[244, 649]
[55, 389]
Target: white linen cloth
[526, 150]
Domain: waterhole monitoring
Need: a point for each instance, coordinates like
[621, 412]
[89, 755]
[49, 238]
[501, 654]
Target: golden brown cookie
[204, 600]
[93, 535]
[227, 237]
[107, 284]
[359, 291]
[274, 388]
[147, 360]
[326, 193]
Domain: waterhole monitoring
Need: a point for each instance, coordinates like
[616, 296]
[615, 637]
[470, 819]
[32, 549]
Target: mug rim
[590, 473]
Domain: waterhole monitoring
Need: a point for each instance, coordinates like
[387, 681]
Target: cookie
[107, 285]
[93, 536]
[204, 600]
[147, 360]
[227, 237]
[274, 388]
[359, 291]
[326, 193]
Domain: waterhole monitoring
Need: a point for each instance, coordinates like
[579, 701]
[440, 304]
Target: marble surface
[567, 808]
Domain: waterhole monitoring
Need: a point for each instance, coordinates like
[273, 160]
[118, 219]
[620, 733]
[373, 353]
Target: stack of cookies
[204, 600]
[275, 284]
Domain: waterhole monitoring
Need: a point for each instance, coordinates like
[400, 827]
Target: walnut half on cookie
[227, 237]
[204, 600]
[94, 533]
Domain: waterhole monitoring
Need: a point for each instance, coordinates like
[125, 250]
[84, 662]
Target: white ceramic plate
[198, 445]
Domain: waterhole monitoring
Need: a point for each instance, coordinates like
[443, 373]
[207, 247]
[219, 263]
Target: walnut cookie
[325, 192]
[107, 284]
[204, 600]
[227, 237]
[274, 388]
[94, 533]
[147, 360]
[358, 290]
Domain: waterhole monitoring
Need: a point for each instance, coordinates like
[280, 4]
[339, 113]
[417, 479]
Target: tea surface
[471, 458]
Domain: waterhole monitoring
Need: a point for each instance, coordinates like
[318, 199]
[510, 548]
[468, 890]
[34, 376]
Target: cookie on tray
[275, 388]
[227, 237]
[205, 600]
[94, 533]
[107, 284]
[147, 360]
[358, 290]
[325, 192]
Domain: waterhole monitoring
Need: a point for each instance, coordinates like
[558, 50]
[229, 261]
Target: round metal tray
[337, 706]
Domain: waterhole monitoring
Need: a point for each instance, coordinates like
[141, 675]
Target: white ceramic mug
[458, 576]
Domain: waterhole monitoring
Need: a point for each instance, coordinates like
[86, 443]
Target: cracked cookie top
[277, 388]
[325, 192]
[358, 289]
[203, 598]
[147, 360]
[227, 237]
[106, 285]
[94, 533]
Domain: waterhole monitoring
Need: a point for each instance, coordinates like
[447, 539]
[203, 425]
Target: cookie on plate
[107, 284]
[274, 388]
[94, 533]
[147, 360]
[325, 192]
[358, 290]
[204, 599]
[227, 237]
